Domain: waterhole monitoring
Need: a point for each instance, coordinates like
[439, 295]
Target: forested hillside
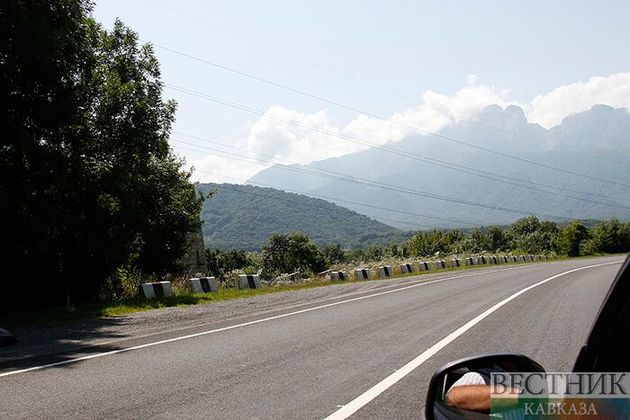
[242, 216]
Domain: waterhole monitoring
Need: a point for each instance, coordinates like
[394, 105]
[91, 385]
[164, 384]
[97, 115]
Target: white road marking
[271, 318]
[353, 406]
[231, 327]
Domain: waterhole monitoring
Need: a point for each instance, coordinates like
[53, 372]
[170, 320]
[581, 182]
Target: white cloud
[219, 169]
[549, 109]
[294, 137]
[435, 112]
[289, 136]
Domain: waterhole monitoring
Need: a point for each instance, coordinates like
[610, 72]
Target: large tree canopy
[89, 182]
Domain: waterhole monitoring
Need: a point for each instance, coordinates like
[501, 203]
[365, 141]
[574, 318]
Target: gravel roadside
[40, 341]
[37, 341]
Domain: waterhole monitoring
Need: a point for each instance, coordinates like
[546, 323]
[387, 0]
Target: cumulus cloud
[435, 112]
[549, 109]
[289, 136]
[295, 137]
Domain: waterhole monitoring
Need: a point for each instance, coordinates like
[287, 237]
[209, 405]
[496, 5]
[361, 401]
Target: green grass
[58, 315]
[204, 298]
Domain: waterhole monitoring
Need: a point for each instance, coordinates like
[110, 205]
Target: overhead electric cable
[282, 52]
[379, 185]
[487, 175]
[325, 68]
[334, 199]
[376, 116]
[376, 146]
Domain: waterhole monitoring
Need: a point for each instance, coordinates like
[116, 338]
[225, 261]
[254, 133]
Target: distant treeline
[296, 252]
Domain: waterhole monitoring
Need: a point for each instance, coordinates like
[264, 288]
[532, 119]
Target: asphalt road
[310, 359]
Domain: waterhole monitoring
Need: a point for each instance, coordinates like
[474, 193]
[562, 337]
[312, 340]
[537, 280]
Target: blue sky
[444, 60]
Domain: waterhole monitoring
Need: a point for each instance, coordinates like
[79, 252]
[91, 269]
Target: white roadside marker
[271, 318]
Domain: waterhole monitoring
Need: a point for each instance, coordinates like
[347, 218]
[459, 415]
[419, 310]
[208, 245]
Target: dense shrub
[288, 253]
[221, 263]
[332, 254]
[571, 239]
[609, 236]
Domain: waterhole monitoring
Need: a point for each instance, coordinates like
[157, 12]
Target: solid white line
[231, 327]
[245, 324]
[356, 404]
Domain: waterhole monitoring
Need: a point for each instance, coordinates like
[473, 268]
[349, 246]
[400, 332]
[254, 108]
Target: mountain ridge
[598, 148]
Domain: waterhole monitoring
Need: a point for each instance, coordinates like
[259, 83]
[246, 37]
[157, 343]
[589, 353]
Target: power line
[379, 185]
[437, 162]
[490, 176]
[321, 67]
[334, 199]
[537, 143]
[433, 161]
[283, 52]
[316, 196]
[376, 116]
[288, 200]
[483, 174]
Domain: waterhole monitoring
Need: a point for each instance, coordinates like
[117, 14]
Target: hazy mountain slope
[243, 216]
[595, 142]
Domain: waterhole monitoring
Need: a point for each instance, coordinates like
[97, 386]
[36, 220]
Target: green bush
[123, 285]
[221, 263]
[609, 236]
[529, 235]
[288, 253]
[571, 239]
[333, 254]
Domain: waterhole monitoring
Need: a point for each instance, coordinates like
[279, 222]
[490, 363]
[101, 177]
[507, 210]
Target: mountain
[602, 127]
[243, 216]
[595, 142]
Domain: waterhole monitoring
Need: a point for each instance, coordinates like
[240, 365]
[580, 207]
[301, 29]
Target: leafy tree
[355, 255]
[549, 227]
[429, 243]
[609, 236]
[288, 253]
[419, 244]
[525, 226]
[140, 179]
[497, 239]
[375, 252]
[397, 250]
[332, 254]
[221, 263]
[476, 241]
[530, 235]
[571, 238]
[89, 181]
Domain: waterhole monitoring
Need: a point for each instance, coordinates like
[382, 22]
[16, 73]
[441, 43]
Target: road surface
[311, 359]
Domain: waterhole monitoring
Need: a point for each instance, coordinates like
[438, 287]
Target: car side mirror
[474, 403]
